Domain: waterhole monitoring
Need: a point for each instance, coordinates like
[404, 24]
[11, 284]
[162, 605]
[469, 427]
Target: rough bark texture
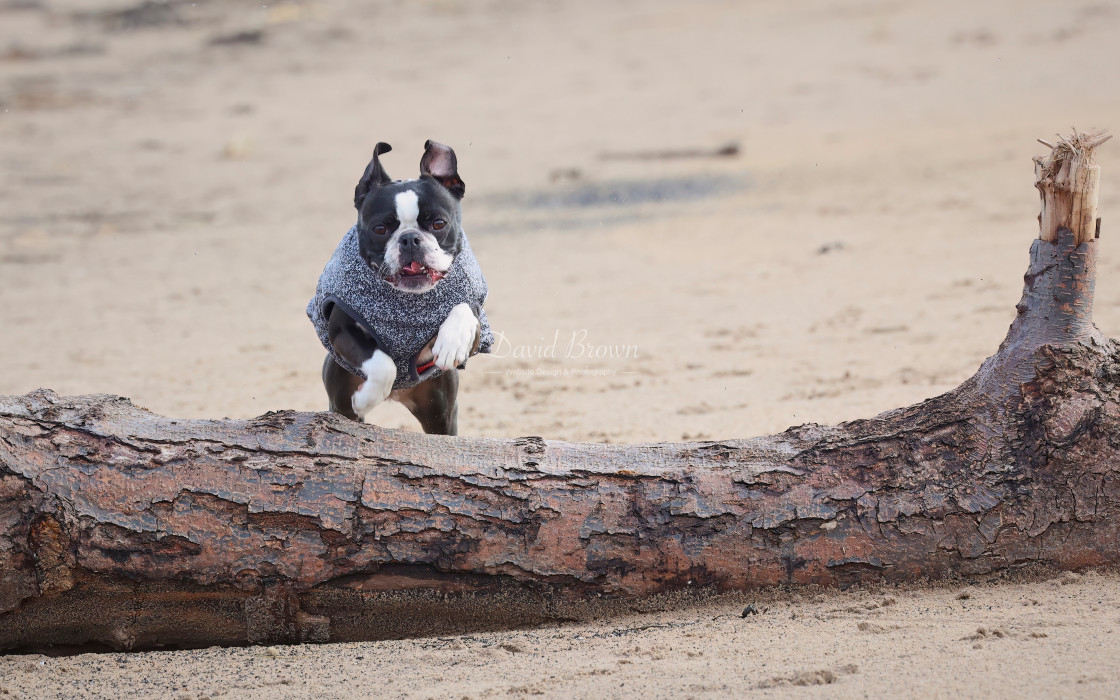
[126, 529]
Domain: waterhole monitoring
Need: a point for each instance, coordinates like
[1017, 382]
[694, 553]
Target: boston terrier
[399, 305]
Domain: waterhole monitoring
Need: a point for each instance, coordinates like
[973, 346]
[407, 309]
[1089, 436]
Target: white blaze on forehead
[408, 209]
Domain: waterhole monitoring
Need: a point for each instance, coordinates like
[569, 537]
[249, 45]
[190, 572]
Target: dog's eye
[381, 229]
[438, 224]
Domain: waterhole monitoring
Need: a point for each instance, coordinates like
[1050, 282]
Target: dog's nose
[410, 242]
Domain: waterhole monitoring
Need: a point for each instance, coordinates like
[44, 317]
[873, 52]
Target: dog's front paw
[381, 374]
[456, 337]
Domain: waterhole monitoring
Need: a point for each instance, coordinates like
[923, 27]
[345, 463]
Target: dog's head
[409, 231]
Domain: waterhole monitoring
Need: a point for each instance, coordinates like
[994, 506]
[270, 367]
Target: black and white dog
[399, 306]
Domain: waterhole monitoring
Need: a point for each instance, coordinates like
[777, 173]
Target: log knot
[532, 450]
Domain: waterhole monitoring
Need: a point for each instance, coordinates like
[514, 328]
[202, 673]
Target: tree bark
[126, 529]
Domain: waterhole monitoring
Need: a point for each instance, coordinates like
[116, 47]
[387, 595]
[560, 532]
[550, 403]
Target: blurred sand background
[173, 177]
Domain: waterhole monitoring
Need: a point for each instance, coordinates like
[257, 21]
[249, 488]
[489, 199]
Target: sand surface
[172, 181]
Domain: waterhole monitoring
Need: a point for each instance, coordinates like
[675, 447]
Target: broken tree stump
[125, 529]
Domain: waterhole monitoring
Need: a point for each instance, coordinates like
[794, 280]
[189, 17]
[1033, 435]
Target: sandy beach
[173, 176]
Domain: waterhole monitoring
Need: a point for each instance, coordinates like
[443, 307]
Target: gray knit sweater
[401, 323]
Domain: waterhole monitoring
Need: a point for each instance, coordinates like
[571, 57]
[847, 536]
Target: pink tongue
[413, 268]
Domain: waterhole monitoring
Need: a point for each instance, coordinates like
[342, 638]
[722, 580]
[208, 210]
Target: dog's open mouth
[415, 275]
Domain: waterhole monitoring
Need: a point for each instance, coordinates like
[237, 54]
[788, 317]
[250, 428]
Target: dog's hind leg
[433, 403]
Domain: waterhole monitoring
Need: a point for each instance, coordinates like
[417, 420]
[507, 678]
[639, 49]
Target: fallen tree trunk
[122, 528]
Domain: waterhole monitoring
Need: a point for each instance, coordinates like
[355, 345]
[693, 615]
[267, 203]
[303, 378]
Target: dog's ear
[439, 164]
[374, 176]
